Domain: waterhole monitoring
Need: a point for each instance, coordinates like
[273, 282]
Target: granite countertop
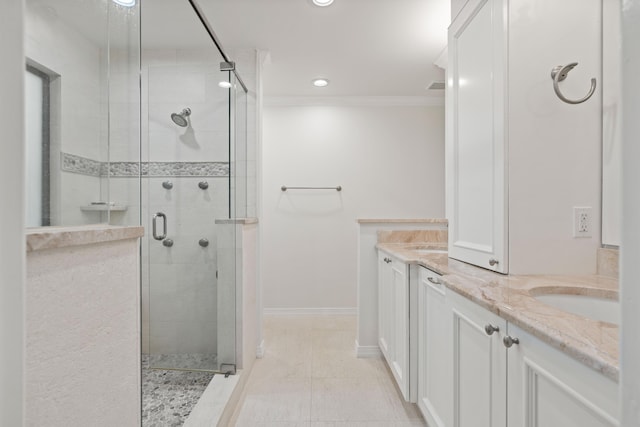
[41, 238]
[594, 343]
[402, 221]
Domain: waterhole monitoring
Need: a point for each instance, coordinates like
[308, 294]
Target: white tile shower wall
[181, 282]
[77, 118]
[229, 272]
[171, 87]
[124, 131]
[77, 190]
[247, 66]
[180, 286]
[237, 294]
[172, 80]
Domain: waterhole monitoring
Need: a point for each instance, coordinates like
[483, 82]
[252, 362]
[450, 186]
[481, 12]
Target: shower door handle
[164, 226]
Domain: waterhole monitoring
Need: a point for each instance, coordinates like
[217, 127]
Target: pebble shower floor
[169, 396]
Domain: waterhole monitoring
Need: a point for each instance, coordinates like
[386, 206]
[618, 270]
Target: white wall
[554, 148]
[389, 161]
[630, 250]
[611, 122]
[12, 246]
[82, 363]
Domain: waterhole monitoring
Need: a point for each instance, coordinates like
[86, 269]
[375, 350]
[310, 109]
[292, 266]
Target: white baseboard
[350, 311]
[260, 350]
[367, 351]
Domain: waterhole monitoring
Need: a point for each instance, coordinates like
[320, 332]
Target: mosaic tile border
[80, 165]
[84, 166]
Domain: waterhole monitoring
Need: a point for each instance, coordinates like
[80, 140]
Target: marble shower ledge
[403, 221]
[103, 208]
[243, 221]
[592, 342]
[42, 238]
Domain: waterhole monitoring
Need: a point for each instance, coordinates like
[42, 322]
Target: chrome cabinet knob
[167, 242]
[203, 242]
[203, 185]
[435, 281]
[509, 341]
[493, 262]
[490, 329]
[167, 185]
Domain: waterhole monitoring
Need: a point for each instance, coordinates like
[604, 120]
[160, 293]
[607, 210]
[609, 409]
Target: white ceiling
[364, 47]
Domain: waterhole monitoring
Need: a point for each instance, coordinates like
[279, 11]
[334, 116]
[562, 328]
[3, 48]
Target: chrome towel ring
[559, 73]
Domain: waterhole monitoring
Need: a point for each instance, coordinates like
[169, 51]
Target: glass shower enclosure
[193, 118]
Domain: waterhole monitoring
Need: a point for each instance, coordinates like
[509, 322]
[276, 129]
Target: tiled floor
[310, 377]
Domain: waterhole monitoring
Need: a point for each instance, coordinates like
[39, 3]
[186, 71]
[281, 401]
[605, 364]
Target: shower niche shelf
[103, 208]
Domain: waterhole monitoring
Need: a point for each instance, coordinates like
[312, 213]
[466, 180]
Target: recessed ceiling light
[320, 82]
[125, 3]
[322, 3]
[224, 84]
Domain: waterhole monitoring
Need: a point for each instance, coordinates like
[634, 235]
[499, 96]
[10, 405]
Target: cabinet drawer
[432, 279]
[435, 351]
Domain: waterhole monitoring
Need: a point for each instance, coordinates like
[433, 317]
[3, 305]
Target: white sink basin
[596, 308]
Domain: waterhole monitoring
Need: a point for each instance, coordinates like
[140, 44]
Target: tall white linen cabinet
[519, 159]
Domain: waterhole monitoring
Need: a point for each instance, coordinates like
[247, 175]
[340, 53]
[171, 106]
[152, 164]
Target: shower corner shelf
[103, 208]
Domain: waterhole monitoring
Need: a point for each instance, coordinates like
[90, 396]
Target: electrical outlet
[582, 222]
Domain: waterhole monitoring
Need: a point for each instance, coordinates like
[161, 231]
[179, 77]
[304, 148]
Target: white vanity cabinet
[393, 319]
[548, 388]
[435, 350]
[504, 376]
[479, 365]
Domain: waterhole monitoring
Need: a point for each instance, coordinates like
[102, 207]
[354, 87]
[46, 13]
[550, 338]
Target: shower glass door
[189, 299]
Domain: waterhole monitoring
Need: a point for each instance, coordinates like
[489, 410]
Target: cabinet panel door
[435, 351]
[385, 301]
[400, 351]
[476, 147]
[548, 388]
[479, 366]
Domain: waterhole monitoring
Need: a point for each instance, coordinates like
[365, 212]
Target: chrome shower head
[181, 118]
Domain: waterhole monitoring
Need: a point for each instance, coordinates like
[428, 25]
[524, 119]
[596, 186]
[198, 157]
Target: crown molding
[353, 101]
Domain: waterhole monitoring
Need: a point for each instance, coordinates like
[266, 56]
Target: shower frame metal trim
[45, 197]
[216, 40]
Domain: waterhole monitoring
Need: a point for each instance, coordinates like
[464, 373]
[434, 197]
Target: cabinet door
[435, 351]
[400, 352]
[548, 388]
[385, 305]
[479, 366]
[476, 145]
